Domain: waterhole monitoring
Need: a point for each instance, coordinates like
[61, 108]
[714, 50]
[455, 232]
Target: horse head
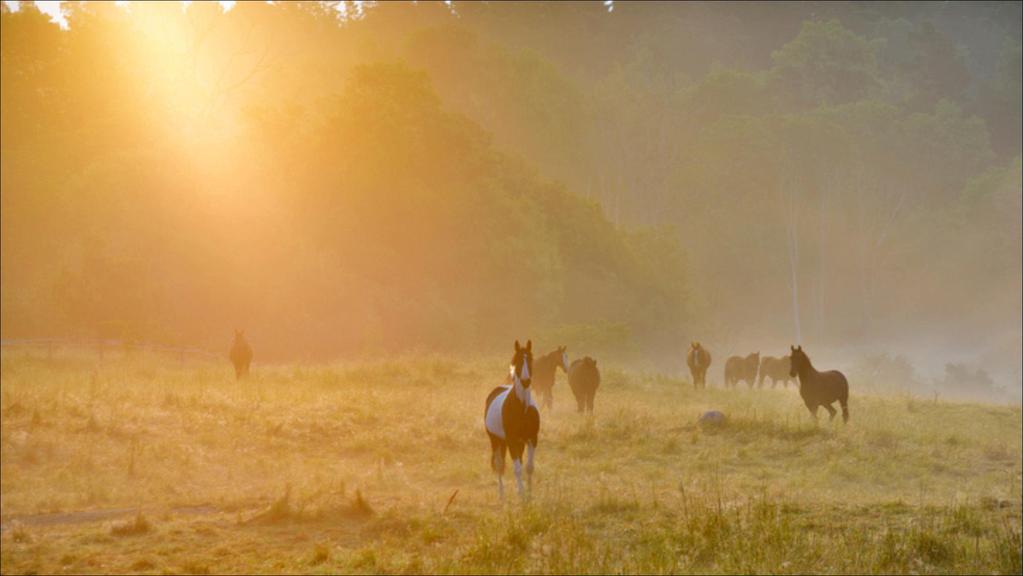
[798, 360]
[522, 363]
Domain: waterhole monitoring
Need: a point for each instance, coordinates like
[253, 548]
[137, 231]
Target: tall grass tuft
[136, 526]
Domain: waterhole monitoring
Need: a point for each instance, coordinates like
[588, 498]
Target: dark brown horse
[737, 368]
[544, 369]
[241, 354]
[584, 379]
[512, 419]
[777, 369]
[698, 360]
[819, 388]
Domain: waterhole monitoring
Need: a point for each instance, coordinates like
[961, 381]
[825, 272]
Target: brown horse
[737, 368]
[819, 388]
[698, 360]
[777, 369]
[241, 354]
[584, 379]
[544, 369]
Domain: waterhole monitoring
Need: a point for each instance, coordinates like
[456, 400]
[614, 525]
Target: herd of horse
[512, 417]
[818, 389]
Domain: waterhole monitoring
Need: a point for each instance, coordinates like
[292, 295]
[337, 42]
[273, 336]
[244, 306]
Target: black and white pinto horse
[512, 420]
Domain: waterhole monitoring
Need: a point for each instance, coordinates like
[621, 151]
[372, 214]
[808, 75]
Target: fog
[429, 177]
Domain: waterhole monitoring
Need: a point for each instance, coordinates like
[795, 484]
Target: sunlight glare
[52, 9]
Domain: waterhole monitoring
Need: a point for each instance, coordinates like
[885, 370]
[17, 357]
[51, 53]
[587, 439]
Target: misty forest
[846, 175]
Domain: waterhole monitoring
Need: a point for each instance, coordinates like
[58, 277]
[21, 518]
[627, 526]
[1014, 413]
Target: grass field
[146, 465]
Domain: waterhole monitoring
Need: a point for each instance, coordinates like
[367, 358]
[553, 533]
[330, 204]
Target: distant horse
[776, 369]
[698, 360]
[241, 354]
[737, 368]
[584, 379]
[512, 419]
[819, 388]
[543, 375]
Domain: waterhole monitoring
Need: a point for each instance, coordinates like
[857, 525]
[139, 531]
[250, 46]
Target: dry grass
[354, 468]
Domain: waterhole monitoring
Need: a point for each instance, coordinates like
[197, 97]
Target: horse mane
[806, 358]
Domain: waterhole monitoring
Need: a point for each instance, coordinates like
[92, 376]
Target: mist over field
[341, 179]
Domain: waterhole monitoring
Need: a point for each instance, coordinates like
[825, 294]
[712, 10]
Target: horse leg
[813, 411]
[548, 398]
[845, 409]
[580, 402]
[831, 410]
[530, 451]
[516, 447]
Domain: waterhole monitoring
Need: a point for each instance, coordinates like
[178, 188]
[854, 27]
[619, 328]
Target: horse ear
[793, 348]
[529, 345]
[517, 346]
[800, 347]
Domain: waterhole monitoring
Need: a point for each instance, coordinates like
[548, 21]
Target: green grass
[352, 468]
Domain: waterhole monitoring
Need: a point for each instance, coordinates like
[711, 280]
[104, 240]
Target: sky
[52, 8]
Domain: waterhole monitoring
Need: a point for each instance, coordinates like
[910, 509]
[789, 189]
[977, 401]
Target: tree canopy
[437, 177]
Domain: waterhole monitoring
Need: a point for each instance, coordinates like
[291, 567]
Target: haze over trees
[424, 176]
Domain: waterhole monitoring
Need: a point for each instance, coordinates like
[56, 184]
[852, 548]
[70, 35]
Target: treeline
[822, 162]
[420, 175]
[142, 198]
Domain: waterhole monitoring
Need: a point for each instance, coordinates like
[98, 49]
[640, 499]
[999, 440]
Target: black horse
[819, 388]
[584, 379]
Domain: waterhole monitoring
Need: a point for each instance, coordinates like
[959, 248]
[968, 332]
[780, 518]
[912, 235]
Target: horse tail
[843, 398]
